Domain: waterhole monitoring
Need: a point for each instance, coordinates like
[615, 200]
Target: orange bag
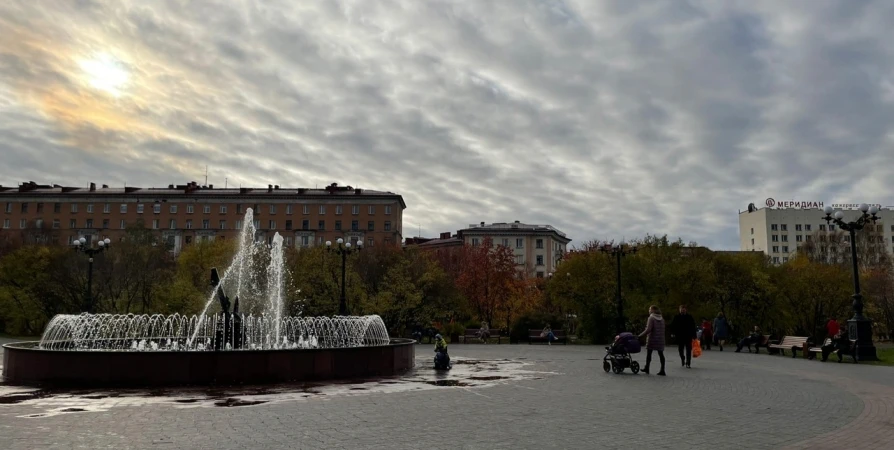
[696, 348]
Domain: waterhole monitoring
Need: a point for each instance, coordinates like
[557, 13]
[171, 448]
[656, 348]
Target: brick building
[188, 213]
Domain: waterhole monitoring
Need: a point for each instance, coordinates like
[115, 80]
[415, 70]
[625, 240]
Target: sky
[605, 119]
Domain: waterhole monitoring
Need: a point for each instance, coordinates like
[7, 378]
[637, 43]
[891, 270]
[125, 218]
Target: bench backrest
[536, 333]
[793, 341]
[764, 339]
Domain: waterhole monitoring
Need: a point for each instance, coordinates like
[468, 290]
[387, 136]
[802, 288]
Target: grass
[885, 357]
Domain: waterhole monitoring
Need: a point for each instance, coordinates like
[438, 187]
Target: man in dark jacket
[685, 331]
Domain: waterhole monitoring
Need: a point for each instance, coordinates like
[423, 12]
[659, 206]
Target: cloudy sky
[606, 119]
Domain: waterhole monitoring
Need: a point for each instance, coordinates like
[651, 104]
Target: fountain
[252, 342]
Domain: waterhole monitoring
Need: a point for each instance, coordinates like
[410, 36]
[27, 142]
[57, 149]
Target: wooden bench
[851, 350]
[764, 341]
[793, 343]
[471, 335]
[534, 336]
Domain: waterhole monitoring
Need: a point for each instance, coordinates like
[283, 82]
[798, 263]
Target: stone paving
[551, 397]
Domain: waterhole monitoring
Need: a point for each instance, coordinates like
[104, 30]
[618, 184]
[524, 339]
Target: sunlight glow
[105, 73]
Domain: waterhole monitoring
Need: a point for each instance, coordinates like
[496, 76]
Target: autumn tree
[487, 277]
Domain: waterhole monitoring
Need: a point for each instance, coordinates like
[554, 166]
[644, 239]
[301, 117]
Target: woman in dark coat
[655, 338]
[721, 330]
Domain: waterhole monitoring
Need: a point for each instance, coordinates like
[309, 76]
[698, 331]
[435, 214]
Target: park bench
[534, 336]
[471, 335]
[764, 341]
[851, 350]
[793, 343]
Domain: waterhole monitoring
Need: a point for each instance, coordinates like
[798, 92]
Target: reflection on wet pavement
[466, 373]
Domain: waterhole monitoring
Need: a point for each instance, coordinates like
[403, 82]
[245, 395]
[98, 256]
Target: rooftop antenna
[206, 175]
[225, 182]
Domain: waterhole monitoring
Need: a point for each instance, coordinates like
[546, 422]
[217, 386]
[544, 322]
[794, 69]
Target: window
[173, 209]
[5, 223]
[206, 209]
[785, 249]
[519, 243]
[322, 209]
[785, 259]
[774, 227]
[123, 208]
[370, 242]
[206, 224]
[40, 207]
[156, 208]
[189, 224]
[173, 224]
[784, 238]
[9, 207]
[892, 239]
[799, 238]
[272, 225]
[355, 226]
[257, 224]
[752, 231]
[831, 227]
[289, 225]
[539, 260]
[222, 225]
[56, 224]
[305, 224]
[238, 224]
[784, 227]
[371, 210]
[387, 209]
[355, 209]
[223, 209]
[539, 274]
[505, 242]
[187, 240]
[775, 260]
[775, 238]
[338, 225]
[272, 209]
[822, 227]
[539, 243]
[23, 223]
[238, 208]
[752, 241]
[475, 242]
[89, 208]
[387, 226]
[798, 227]
[305, 241]
[371, 226]
[520, 260]
[74, 207]
[89, 223]
[190, 209]
[847, 238]
[321, 225]
[822, 238]
[775, 249]
[139, 208]
[287, 241]
[72, 223]
[807, 227]
[57, 208]
[305, 209]
[337, 209]
[105, 224]
[288, 209]
[892, 228]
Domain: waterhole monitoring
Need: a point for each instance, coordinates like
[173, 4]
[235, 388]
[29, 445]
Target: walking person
[684, 330]
[721, 330]
[707, 334]
[655, 338]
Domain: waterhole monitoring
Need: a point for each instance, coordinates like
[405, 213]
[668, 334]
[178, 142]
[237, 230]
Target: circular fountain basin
[28, 364]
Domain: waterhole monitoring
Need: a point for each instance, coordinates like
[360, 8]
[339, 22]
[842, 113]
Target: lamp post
[618, 251]
[859, 327]
[343, 249]
[80, 245]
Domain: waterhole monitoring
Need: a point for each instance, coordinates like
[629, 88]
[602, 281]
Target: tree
[487, 277]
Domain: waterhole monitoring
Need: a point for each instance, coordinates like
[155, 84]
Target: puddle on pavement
[466, 373]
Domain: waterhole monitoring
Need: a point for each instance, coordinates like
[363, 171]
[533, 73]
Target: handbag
[696, 348]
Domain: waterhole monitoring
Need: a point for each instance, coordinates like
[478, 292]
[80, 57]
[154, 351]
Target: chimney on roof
[170, 186]
[276, 186]
[517, 221]
[358, 191]
[445, 235]
[269, 188]
[92, 187]
[105, 186]
[210, 186]
[55, 186]
[482, 224]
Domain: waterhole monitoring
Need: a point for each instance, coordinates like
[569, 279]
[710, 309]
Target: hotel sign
[793, 204]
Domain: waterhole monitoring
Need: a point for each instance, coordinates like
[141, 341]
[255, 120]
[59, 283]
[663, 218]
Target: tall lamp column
[859, 327]
[618, 251]
[80, 245]
[343, 249]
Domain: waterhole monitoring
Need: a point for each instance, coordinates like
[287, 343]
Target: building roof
[193, 189]
[440, 243]
[514, 228]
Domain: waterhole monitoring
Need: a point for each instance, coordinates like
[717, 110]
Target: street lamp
[618, 251]
[80, 245]
[344, 249]
[859, 327]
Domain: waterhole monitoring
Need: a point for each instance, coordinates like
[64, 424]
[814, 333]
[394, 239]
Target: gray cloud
[604, 119]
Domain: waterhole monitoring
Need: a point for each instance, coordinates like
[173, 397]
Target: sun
[105, 73]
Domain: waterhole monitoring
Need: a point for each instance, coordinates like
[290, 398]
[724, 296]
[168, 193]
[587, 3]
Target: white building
[538, 248]
[779, 228]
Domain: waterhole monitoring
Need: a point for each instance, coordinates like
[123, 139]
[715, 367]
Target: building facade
[188, 213]
[538, 249]
[779, 230]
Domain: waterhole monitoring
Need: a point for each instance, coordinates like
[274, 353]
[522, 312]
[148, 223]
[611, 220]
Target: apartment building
[780, 228]
[538, 248]
[184, 214]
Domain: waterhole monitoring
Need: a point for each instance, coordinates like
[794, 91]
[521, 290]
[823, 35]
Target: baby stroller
[617, 356]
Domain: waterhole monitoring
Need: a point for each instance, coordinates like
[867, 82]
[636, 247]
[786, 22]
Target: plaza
[496, 396]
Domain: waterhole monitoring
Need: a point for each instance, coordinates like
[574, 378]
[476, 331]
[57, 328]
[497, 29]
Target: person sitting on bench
[753, 338]
[840, 342]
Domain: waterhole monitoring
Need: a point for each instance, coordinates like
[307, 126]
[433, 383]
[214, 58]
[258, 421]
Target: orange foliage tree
[487, 278]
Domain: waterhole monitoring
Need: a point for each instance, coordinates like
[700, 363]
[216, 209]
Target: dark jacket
[683, 327]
